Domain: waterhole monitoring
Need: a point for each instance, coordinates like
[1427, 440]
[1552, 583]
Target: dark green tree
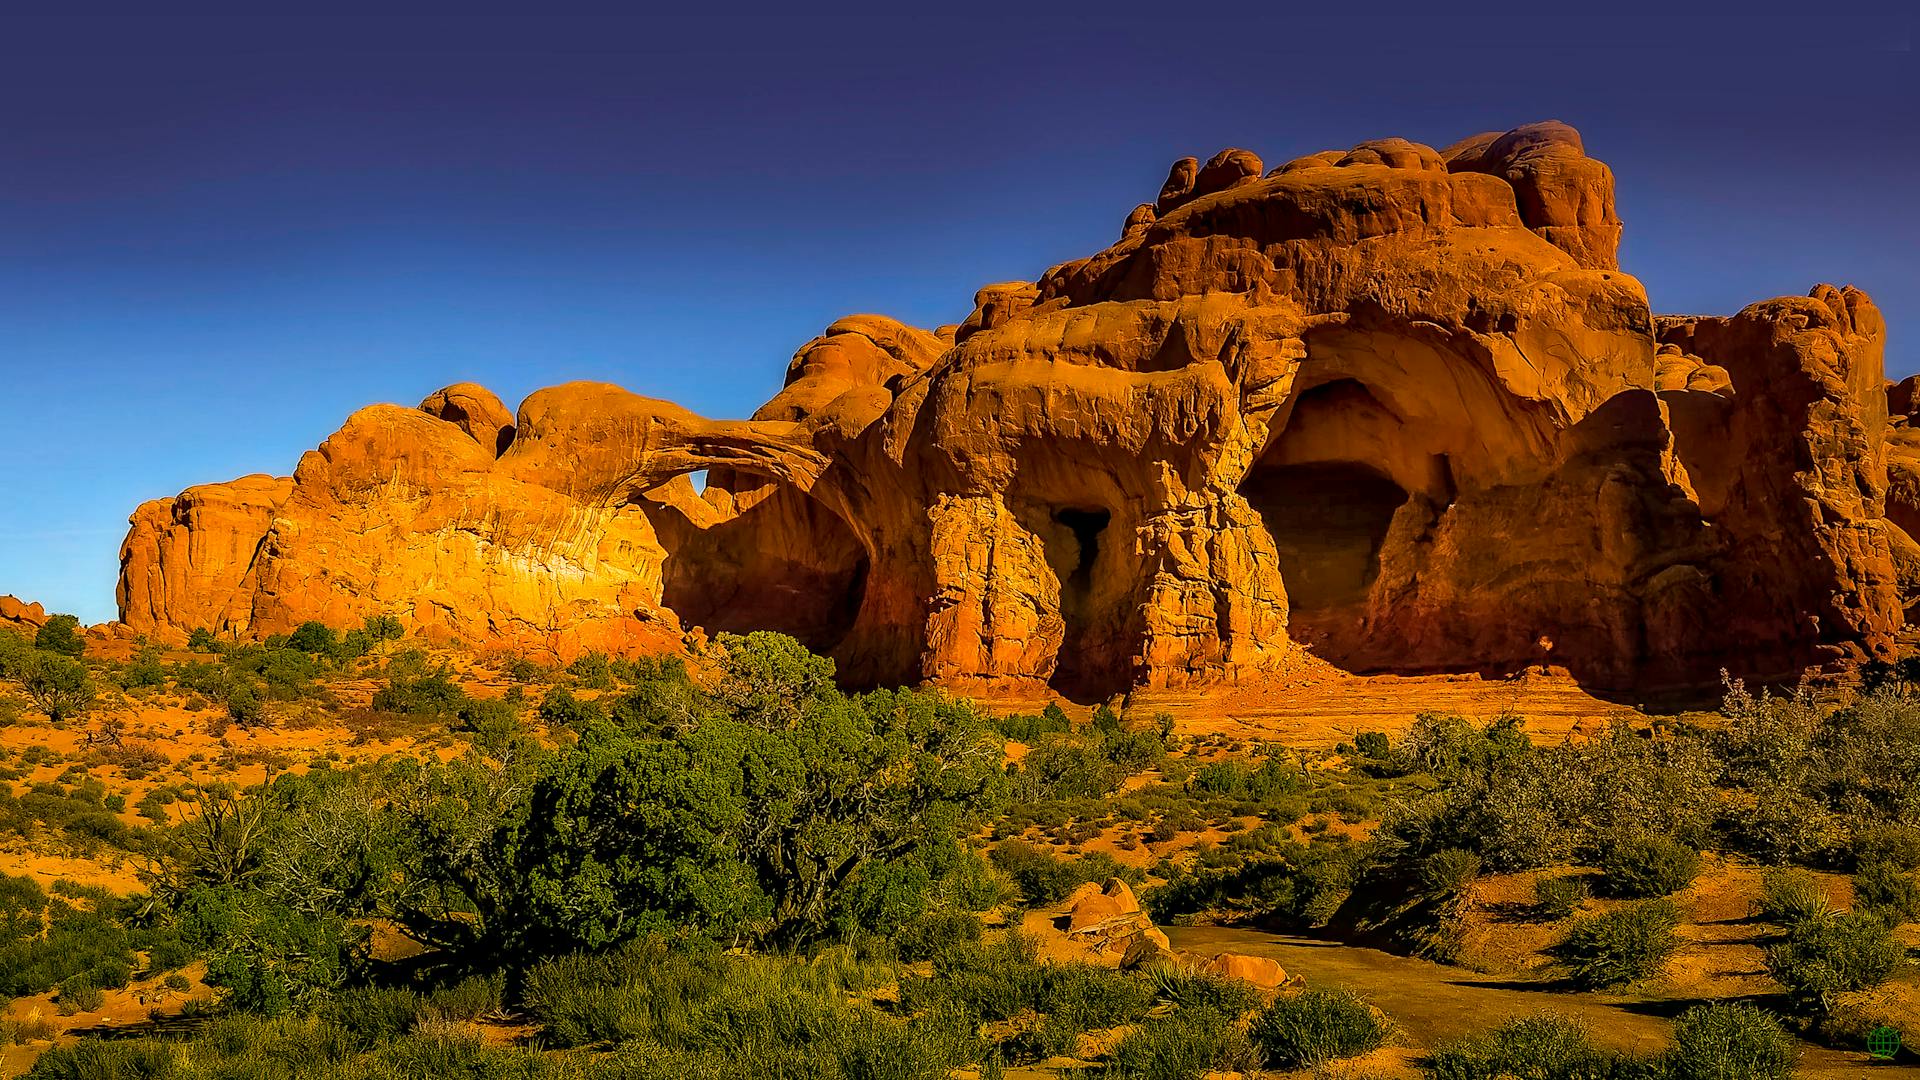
[60, 687]
[61, 634]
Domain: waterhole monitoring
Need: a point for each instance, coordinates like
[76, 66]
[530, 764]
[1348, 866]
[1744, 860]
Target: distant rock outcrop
[1393, 404]
[20, 615]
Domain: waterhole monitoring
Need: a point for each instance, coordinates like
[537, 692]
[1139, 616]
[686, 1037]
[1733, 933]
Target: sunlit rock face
[1392, 405]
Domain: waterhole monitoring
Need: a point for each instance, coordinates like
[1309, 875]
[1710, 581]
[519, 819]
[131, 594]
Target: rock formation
[18, 614]
[1392, 404]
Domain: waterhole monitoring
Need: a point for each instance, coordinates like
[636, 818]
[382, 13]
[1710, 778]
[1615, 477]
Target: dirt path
[1435, 1003]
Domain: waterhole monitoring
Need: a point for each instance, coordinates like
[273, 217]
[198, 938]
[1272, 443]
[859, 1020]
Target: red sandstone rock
[21, 615]
[1390, 404]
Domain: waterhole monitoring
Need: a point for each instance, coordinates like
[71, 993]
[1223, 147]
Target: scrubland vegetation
[649, 869]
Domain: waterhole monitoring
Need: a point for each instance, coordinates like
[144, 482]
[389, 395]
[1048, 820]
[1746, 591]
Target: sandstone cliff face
[1393, 405]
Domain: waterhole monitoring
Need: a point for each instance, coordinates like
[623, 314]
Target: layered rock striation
[1392, 405]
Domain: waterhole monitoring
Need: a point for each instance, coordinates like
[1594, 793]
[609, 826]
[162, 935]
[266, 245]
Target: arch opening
[1094, 659]
[1327, 489]
[748, 553]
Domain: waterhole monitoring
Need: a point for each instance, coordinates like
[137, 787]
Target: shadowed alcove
[1327, 493]
[759, 554]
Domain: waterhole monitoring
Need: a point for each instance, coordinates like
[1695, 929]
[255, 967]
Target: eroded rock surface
[1391, 404]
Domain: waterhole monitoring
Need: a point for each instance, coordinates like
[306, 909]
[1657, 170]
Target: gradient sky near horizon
[218, 237]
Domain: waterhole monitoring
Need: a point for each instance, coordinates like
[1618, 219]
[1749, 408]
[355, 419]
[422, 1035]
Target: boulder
[1261, 971]
[21, 615]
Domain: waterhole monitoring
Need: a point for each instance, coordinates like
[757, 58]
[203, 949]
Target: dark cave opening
[1328, 520]
[1092, 663]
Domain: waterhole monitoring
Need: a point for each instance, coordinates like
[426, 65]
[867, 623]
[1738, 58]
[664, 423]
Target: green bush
[1646, 867]
[433, 694]
[1448, 873]
[1560, 896]
[245, 705]
[1883, 888]
[1185, 1045]
[372, 1016]
[314, 638]
[1187, 988]
[1544, 1047]
[1833, 954]
[470, 998]
[1729, 1042]
[58, 686]
[1030, 729]
[1043, 878]
[78, 994]
[61, 634]
[560, 709]
[1621, 946]
[1316, 1026]
[1790, 896]
[934, 933]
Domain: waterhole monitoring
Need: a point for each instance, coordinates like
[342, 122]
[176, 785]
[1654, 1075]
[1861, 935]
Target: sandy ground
[1436, 1004]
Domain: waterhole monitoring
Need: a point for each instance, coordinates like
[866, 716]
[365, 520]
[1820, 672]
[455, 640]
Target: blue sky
[218, 237]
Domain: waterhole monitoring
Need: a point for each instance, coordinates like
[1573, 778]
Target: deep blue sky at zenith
[218, 237]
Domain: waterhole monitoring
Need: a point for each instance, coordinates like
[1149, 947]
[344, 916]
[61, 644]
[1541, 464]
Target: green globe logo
[1883, 1042]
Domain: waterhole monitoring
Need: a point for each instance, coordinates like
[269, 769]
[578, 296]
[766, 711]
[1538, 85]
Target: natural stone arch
[1385, 426]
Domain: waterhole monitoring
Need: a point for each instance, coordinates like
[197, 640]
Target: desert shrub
[372, 1016]
[1373, 744]
[642, 989]
[1648, 866]
[1293, 884]
[1187, 1044]
[1043, 878]
[1187, 988]
[1895, 843]
[1544, 1047]
[1451, 745]
[1523, 808]
[202, 640]
[58, 686]
[144, 671]
[1001, 980]
[1315, 1026]
[1883, 888]
[61, 634]
[746, 823]
[1448, 872]
[1030, 729]
[1833, 954]
[935, 933]
[1238, 779]
[1789, 896]
[244, 704]
[78, 994]
[592, 670]
[1729, 1042]
[1065, 768]
[1559, 896]
[433, 694]
[559, 708]
[382, 628]
[314, 638]
[22, 901]
[471, 998]
[1621, 946]
[283, 674]
[488, 716]
[1133, 751]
